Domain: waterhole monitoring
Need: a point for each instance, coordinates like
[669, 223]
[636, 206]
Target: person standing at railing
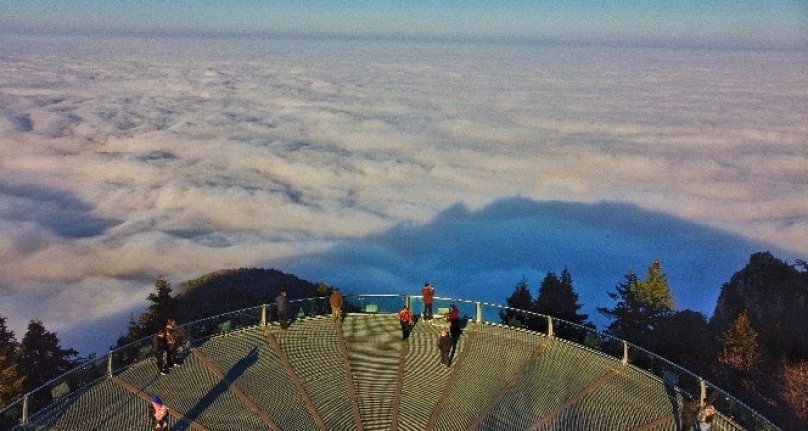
[405, 317]
[706, 415]
[159, 347]
[159, 413]
[180, 341]
[690, 413]
[336, 301]
[428, 294]
[171, 345]
[282, 306]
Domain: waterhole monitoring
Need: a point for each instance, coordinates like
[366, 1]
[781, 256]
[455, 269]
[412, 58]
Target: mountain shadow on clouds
[57, 211]
[484, 254]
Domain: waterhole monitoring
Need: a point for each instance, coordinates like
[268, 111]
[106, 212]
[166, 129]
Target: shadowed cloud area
[55, 211]
[484, 254]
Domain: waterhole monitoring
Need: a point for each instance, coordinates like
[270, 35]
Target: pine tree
[683, 338]
[41, 357]
[641, 304]
[163, 307]
[557, 298]
[739, 346]
[520, 299]
[11, 377]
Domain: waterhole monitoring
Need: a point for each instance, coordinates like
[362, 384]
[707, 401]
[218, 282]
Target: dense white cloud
[123, 159]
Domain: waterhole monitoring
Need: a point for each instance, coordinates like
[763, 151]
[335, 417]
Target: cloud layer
[123, 159]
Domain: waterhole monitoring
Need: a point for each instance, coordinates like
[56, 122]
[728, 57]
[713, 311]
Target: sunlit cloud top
[123, 158]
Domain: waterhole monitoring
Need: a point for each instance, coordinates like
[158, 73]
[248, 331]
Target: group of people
[282, 306]
[447, 340]
[165, 345]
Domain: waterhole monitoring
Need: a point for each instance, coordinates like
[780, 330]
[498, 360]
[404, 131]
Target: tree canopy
[640, 305]
[557, 298]
[11, 376]
[41, 356]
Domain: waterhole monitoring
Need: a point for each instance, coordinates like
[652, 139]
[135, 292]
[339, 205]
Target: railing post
[702, 389]
[109, 364]
[550, 327]
[263, 315]
[407, 302]
[24, 420]
[479, 312]
[625, 352]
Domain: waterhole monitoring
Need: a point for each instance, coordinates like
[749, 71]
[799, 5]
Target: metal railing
[40, 399]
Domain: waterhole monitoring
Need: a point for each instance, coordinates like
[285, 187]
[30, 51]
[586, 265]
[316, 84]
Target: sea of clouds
[376, 165]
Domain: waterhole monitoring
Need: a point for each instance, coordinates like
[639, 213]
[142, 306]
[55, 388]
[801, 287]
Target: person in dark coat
[180, 342]
[159, 348]
[282, 306]
[445, 346]
[171, 346]
[689, 414]
[453, 316]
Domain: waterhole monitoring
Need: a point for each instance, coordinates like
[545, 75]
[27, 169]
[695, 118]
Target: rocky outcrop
[775, 295]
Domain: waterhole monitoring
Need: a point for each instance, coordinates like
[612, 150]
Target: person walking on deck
[453, 316]
[405, 317]
[282, 307]
[428, 294]
[159, 413]
[445, 347]
[336, 301]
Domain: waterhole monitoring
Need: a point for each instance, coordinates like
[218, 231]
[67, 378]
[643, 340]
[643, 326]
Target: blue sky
[769, 23]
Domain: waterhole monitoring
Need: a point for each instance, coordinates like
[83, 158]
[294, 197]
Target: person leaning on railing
[282, 306]
[428, 294]
[706, 415]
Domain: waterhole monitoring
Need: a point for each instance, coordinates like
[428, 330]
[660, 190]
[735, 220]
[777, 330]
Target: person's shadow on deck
[237, 370]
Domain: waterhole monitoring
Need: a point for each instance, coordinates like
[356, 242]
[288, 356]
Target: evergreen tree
[557, 298]
[641, 304]
[133, 332]
[163, 307]
[41, 359]
[739, 346]
[11, 377]
[683, 338]
[521, 299]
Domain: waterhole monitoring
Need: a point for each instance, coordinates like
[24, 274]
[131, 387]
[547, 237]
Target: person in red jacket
[428, 294]
[405, 317]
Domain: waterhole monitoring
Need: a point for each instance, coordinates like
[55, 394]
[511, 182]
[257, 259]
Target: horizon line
[672, 43]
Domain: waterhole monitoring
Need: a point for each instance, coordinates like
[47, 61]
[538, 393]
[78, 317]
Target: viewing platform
[242, 371]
